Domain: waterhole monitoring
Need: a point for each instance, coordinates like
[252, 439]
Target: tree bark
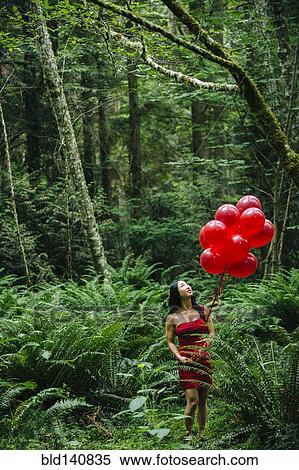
[67, 136]
[13, 199]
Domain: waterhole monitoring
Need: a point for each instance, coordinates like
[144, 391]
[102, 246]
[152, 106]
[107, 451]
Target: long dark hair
[175, 302]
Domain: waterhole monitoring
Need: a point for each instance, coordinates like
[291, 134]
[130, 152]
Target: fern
[26, 406]
[67, 406]
[8, 398]
[263, 384]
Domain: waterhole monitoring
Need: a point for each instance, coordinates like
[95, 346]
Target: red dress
[199, 374]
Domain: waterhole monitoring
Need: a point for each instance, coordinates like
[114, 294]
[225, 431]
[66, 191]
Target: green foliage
[263, 383]
[266, 305]
[57, 358]
[68, 341]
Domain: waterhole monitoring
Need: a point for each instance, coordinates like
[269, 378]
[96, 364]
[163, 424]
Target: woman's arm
[169, 332]
[210, 326]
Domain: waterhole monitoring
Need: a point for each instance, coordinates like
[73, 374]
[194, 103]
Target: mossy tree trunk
[67, 136]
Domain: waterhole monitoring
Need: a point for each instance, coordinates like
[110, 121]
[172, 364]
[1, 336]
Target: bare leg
[192, 402]
[202, 411]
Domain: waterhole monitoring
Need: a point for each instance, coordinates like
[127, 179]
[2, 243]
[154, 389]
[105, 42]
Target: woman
[189, 321]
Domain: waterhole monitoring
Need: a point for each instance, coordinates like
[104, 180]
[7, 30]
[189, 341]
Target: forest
[124, 125]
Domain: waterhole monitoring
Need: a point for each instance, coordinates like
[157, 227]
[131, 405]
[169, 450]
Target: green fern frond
[66, 406]
[9, 398]
[27, 405]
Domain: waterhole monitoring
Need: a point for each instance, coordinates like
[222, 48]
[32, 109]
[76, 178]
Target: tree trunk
[134, 138]
[88, 127]
[4, 181]
[31, 100]
[171, 21]
[279, 19]
[13, 199]
[31, 105]
[104, 151]
[284, 91]
[198, 117]
[198, 107]
[288, 129]
[67, 136]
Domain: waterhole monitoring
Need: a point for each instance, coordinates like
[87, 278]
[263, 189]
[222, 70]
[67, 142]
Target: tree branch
[265, 119]
[164, 32]
[178, 76]
[195, 28]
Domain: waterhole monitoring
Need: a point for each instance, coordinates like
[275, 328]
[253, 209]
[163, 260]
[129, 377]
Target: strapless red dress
[199, 373]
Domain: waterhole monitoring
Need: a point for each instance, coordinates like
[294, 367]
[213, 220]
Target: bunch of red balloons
[227, 240]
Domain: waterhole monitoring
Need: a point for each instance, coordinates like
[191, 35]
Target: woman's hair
[175, 302]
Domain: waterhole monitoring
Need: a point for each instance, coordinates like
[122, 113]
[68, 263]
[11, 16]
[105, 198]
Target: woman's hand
[183, 359]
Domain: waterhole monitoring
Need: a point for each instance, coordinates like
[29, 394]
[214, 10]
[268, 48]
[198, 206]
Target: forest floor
[133, 434]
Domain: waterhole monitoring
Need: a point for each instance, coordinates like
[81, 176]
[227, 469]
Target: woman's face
[184, 289]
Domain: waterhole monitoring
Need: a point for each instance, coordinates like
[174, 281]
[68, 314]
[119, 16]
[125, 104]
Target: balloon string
[217, 293]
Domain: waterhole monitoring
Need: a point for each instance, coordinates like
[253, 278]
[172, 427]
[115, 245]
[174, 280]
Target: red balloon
[215, 233]
[234, 229]
[243, 268]
[202, 240]
[228, 214]
[238, 248]
[248, 201]
[264, 236]
[251, 221]
[212, 262]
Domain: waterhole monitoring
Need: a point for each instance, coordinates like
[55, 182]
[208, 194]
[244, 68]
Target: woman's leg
[202, 411]
[192, 402]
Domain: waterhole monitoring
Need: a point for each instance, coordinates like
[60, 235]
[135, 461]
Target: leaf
[74, 443]
[139, 415]
[66, 406]
[137, 403]
[120, 413]
[160, 433]
[46, 354]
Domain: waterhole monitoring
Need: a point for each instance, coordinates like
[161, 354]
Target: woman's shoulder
[170, 318]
